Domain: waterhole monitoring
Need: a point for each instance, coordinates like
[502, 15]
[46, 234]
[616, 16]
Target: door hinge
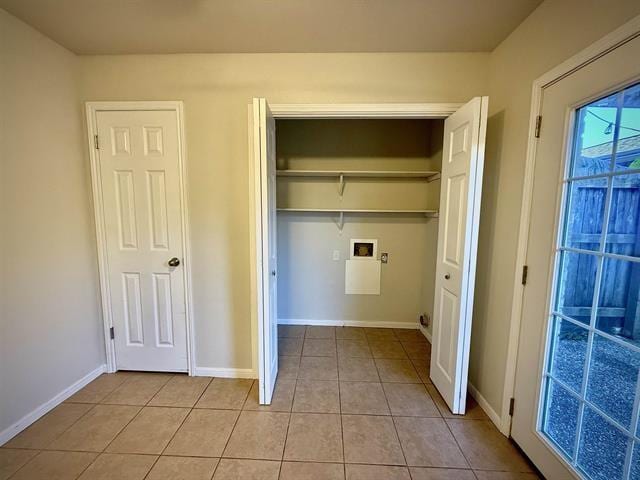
[112, 334]
[538, 126]
[512, 402]
[525, 272]
[96, 142]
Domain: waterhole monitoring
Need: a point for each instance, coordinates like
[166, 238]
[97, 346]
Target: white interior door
[577, 388]
[461, 186]
[139, 172]
[265, 159]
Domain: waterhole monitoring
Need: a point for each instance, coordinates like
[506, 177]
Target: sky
[593, 132]
[594, 128]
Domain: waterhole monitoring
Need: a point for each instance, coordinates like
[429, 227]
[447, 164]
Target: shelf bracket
[341, 185]
[340, 222]
[433, 178]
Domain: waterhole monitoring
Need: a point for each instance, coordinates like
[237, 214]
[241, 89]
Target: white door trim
[92, 108]
[363, 110]
[317, 111]
[621, 35]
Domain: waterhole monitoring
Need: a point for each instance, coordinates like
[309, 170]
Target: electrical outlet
[425, 319]
[336, 255]
[384, 257]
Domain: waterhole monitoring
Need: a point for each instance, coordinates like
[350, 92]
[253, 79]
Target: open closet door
[264, 132]
[461, 186]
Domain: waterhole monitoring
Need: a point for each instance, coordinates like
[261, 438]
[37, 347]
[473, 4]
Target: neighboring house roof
[625, 146]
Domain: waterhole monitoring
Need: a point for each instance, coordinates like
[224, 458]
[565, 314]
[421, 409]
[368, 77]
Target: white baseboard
[347, 323]
[425, 332]
[225, 372]
[10, 432]
[491, 413]
[477, 396]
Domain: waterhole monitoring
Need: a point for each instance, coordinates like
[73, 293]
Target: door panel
[446, 348]
[133, 309]
[163, 313]
[456, 190]
[141, 194]
[572, 349]
[158, 210]
[463, 157]
[265, 157]
[126, 210]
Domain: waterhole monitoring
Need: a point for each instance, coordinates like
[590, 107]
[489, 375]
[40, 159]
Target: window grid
[600, 255]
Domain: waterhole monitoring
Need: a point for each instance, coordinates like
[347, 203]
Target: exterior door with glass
[577, 392]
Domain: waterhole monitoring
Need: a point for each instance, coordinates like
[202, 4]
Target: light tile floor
[350, 403]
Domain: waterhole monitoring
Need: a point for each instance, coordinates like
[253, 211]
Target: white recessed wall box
[362, 270]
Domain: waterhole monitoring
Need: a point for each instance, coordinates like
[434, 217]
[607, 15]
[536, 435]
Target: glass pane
[561, 418]
[585, 213]
[600, 282]
[593, 141]
[613, 374]
[628, 144]
[618, 304]
[622, 233]
[568, 353]
[635, 461]
[602, 448]
[576, 285]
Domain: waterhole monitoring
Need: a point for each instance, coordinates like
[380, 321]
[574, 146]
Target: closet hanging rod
[426, 213]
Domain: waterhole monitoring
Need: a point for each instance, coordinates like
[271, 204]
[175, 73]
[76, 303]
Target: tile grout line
[244, 405]
[104, 450]
[295, 389]
[93, 406]
[226, 444]
[68, 428]
[179, 426]
[286, 437]
[25, 464]
[344, 456]
[141, 407]
[235, 424]
[395, 428]
[441, 416]
[99, 454]
[457, 443]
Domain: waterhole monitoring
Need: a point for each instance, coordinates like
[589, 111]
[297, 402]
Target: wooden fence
[618, 305]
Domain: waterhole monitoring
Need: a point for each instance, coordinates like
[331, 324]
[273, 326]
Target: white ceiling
[234, 26]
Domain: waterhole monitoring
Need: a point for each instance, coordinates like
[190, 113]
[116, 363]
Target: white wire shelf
[358, 211]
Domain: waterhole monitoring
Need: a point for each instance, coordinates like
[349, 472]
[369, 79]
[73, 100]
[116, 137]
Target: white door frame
[92, 108]
[315, 111]
[621, 35]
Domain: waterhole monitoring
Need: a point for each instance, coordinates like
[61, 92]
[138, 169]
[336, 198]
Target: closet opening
[343, 186]
[352, 258]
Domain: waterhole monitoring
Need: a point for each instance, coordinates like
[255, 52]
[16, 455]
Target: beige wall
[50, 327]
[217, 90]
[311, 284]
[551, 34]
[47, 175]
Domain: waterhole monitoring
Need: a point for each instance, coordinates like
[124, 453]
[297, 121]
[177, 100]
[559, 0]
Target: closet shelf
[341, 212]
[428, 175]
[426, 213]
